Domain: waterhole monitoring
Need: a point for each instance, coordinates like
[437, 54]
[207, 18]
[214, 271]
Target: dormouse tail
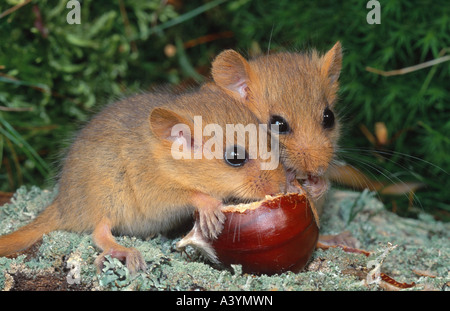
[26, 236]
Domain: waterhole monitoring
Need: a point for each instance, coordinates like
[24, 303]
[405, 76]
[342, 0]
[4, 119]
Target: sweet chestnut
[271, 236]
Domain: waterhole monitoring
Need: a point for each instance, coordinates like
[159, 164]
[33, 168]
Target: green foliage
[53, 75]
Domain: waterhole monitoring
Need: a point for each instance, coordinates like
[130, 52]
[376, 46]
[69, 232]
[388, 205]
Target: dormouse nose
[313, 157]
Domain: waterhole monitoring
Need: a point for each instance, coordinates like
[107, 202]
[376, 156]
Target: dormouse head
[296, 92]
[207, 144]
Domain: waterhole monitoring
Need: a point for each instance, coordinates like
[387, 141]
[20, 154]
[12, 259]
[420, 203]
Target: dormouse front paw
[211, 221]
[210, 214]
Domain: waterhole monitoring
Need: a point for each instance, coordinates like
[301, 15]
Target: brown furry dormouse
[120, 174]
[297, 91]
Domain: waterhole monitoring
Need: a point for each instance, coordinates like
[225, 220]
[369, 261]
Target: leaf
[18, 140]
[354, 178]
[102, 24]
[401, 188]
[25, 83]
[81, 42]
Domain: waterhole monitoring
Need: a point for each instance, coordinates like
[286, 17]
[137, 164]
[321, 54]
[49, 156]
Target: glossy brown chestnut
[272, 236]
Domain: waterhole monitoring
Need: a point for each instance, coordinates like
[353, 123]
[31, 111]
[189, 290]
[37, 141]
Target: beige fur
[297, 87]
[119, 174]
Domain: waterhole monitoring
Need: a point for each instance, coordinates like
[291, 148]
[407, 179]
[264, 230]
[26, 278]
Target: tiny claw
[210, 214]
[99, 262]
[132, 257]
[220, 216]
[135, 261]
[211, 222]
[218, 224]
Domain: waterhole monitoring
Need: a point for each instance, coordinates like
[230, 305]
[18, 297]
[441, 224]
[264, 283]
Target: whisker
[239, 194]
[270, 39]
[391, 178]
[362, 182]
[390, 153]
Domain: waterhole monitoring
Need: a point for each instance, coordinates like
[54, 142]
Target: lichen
[421, 254]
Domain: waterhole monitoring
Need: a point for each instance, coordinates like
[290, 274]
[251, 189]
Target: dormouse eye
[283, 126]
[236, 155]
[328, 119]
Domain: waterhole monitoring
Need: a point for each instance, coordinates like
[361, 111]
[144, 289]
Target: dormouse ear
[332, 63]
[232, 72]
[168, 125]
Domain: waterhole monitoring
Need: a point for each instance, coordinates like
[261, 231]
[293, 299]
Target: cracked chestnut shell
[271, 236]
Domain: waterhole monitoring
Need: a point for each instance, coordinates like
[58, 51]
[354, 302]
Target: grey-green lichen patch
[24, 206]
[408, 250]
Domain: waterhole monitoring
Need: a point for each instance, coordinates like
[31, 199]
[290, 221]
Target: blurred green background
[55, 75]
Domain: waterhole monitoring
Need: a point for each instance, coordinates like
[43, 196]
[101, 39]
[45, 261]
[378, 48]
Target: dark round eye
[328, 118]
[236, 155]
[283, 126]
